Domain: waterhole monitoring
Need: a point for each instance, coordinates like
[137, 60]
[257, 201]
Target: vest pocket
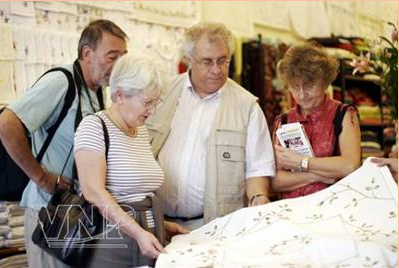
[231, 170]
[230, 149]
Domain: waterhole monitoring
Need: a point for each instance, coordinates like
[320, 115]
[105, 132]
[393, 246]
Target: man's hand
[172, 229]
[50, 180]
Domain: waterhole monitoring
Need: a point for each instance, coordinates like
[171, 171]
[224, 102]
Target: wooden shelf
[361, 79]
[368, 85]
[374, 124]
[5, 252]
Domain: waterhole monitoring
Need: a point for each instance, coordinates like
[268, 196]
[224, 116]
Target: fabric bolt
[3, 217]
[4, 230]
[16, 221]
[330, 228]
[12, 243]
[17, 261]
[15, 210]
[16, 232]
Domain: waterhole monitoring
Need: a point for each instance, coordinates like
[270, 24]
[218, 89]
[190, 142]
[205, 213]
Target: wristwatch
[304, 165]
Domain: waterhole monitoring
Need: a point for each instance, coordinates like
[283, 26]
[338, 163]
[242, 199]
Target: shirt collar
[189, 86]
[316, 113]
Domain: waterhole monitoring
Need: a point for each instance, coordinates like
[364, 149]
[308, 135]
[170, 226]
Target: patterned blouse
[319, 128]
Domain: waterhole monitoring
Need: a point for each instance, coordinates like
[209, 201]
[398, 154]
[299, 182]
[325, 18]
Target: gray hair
[135, 75]
[212, 30]
[92, 34]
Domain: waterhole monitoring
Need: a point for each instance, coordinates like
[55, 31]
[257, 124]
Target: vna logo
[79, 226]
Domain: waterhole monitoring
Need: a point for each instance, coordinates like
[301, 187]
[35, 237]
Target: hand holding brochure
[293, 136]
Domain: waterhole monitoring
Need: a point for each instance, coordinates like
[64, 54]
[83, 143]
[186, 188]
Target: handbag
[68, 227]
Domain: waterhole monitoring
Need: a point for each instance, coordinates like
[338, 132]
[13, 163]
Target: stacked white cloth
[16, 261]
[11, 225]
[353, 223]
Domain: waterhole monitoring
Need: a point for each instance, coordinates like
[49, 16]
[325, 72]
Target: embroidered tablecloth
[353, 223]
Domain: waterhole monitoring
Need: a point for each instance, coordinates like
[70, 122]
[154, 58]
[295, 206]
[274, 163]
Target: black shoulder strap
[106, 141]
[69, 97]
[100, 98]
[284, 119]
[106, 136]
[338, 118]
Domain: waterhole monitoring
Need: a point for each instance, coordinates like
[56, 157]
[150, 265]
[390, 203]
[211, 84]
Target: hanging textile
[259, 75]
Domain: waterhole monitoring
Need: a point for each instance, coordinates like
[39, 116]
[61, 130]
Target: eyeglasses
[208, 63]
[147, 104]
[151, 104]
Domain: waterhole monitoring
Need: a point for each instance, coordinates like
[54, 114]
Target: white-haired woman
[123, 185]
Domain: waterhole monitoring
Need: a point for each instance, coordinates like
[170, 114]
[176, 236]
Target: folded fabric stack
[16, 261]
[370, 145]
[369, 114]
[11, 225]
[386, 114]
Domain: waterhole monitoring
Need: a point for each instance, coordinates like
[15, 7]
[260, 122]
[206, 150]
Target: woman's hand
[172, 229]
[149, 244]
[286, 158]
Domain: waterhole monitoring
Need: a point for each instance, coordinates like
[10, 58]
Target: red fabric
[319, 128]
[181, 67]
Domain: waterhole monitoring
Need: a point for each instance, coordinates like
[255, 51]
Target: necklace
[131, 133]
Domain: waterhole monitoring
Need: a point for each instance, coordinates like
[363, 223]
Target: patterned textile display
[353, 223]
[259, 61]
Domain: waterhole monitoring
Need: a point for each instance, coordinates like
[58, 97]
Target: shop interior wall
[274, 19]
[38, 35]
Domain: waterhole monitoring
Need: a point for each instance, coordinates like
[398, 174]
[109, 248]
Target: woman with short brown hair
[307, 70]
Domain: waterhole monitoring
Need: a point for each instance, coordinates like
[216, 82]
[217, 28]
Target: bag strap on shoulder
[284, 119]
[69, 97]
[106, 136]
[106, 141]
[339, 117]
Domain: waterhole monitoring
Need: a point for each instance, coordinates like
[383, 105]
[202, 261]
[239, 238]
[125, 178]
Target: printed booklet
[293, 136]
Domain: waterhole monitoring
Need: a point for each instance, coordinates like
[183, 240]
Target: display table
[353, 223]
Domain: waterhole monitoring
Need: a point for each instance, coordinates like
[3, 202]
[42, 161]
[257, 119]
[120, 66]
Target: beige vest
[225, 152]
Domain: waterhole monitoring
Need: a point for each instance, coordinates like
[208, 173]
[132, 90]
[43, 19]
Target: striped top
[132, 171]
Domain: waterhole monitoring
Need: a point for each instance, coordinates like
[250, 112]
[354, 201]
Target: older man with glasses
[210, 135]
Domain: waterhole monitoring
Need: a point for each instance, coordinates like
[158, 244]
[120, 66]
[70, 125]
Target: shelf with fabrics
[5, 252]
[365, 92]
[12, 232]
[13, 257]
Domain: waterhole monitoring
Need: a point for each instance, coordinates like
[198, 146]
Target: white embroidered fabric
[353, 223]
